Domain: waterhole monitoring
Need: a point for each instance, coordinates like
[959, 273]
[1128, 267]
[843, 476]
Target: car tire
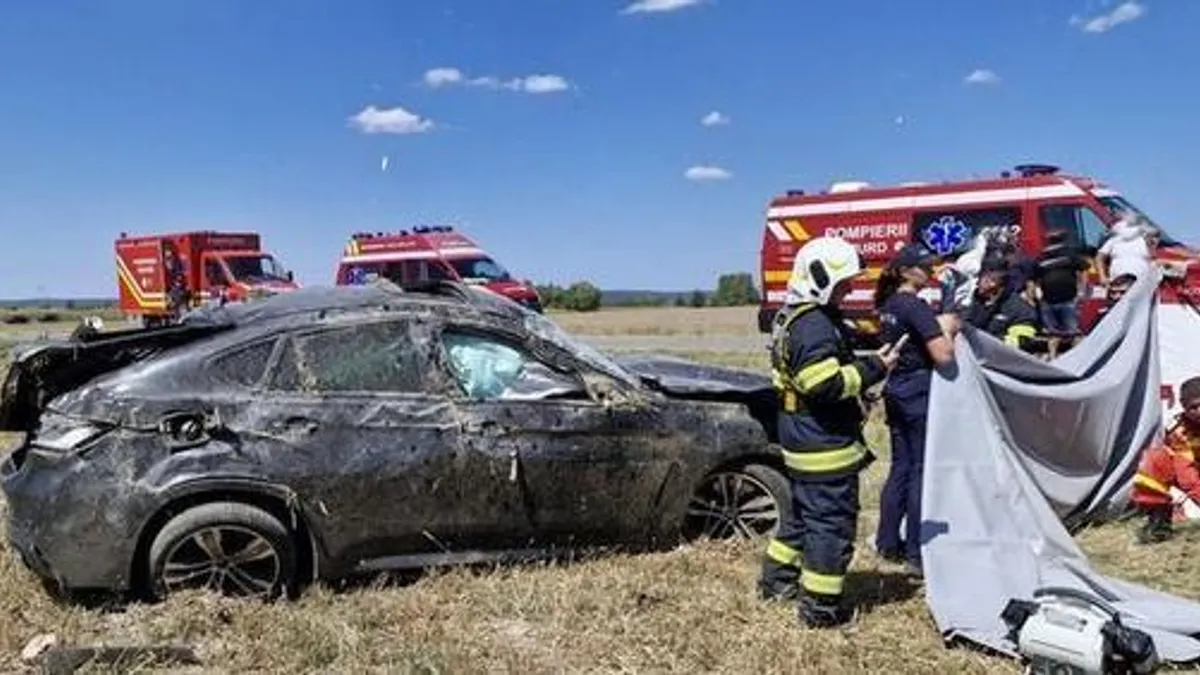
[226, 547]
[754, 499]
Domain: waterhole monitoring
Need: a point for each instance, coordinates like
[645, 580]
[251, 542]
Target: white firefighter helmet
[820, 266]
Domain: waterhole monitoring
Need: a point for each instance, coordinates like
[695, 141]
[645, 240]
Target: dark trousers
[815, 547]
[901, 499]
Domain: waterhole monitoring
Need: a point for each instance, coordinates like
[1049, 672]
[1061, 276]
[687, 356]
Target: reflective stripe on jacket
[1172, 464]
[818, 380]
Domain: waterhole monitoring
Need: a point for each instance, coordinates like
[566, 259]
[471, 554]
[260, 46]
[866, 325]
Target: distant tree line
[733, 290]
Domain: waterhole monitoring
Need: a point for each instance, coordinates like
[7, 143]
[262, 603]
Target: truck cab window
[215, 273]
[1083, 226]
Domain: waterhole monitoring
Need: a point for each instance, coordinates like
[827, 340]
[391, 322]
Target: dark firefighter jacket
[818, 380]
[1011, 319]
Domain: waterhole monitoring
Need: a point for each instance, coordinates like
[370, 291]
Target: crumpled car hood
[680, 376]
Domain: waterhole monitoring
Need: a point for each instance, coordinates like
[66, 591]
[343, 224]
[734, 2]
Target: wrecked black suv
[332, 432]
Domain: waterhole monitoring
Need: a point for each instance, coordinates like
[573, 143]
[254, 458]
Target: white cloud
[530, 84]
[706, 173]
[437, 77]
[1131, 10]
[544, 84]
[650, 6]
[982, 76]
[372, 120]
[713, 119]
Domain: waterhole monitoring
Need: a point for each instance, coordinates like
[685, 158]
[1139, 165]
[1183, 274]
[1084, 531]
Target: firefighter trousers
[810, 552]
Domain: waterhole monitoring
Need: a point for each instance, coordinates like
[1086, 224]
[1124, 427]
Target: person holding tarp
[1170, 465]
[906, 396]
[819, 382]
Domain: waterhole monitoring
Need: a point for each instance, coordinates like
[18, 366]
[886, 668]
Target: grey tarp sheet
[1017, 451]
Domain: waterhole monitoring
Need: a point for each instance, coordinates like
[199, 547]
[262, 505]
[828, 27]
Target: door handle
[479, 426]
[302, 424]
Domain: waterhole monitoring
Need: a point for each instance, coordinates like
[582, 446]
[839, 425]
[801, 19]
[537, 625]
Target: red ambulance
[160, 275]
[1030, 200]
[429, 253]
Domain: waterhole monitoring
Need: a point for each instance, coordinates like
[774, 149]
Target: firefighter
[819, 382]
[906, 396]
[1170, 465]
[1007, 314]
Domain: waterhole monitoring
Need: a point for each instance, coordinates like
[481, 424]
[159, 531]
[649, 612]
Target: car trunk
[45, 370]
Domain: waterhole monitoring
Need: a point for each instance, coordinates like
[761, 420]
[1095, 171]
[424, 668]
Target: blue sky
[559, 132]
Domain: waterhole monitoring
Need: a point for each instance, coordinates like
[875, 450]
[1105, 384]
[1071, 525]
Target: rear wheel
[739, 503]
[226, 547]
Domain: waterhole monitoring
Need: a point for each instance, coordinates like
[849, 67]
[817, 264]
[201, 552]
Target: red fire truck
[160, 275]
[429, 253]
[1031, 200]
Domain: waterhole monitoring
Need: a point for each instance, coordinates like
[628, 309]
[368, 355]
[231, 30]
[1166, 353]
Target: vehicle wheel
[742, 503]
[231, 548]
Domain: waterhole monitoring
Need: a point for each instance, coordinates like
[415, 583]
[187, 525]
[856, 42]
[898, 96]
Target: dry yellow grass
[692, 609]
[661, 321]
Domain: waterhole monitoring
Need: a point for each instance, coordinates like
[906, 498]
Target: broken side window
[488, 368]
[243, 366]
[379, 357]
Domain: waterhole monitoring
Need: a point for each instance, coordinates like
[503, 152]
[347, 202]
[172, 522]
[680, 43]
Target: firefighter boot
[823, 611]
[778, 582]
[1158, 526]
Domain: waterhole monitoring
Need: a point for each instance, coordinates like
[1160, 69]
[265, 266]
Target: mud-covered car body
[377, 423]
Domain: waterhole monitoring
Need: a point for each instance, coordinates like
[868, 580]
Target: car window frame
[513, 340]
[210, 367]
[290, 344]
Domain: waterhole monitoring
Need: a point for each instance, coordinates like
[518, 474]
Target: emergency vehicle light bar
[420, 229]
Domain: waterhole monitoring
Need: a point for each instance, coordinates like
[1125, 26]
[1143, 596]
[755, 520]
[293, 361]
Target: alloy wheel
[228, 559]
[732, 505]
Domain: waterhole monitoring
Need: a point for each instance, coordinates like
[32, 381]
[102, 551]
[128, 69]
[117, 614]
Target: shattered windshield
[1118, 206]
[480, 270]
[256, 268]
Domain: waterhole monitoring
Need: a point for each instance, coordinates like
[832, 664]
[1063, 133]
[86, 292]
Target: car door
[377, 452]
[589, 472]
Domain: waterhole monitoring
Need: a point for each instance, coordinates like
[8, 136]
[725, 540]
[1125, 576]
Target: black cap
[914, 255]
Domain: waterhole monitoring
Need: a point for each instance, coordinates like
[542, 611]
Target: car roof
[300, 306]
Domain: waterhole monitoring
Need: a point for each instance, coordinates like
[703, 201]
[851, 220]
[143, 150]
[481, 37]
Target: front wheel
[745, 503]
[230, 548]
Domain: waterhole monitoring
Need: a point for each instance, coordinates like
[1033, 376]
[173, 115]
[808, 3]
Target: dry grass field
[688, 610]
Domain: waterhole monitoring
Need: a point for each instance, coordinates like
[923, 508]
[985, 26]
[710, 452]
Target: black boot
[778, 582]
[1158, 526]
[824, 612]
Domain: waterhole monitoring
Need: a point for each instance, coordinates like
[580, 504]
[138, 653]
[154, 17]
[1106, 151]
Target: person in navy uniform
[819, 382]
[1004, 313]
[906, 396]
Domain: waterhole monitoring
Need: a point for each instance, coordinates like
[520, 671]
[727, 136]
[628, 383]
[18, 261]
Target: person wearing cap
[1005, 315]
[906, 396]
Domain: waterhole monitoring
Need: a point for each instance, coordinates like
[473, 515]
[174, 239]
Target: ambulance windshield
[256, 269]
[1118, 205]
[483, 270]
